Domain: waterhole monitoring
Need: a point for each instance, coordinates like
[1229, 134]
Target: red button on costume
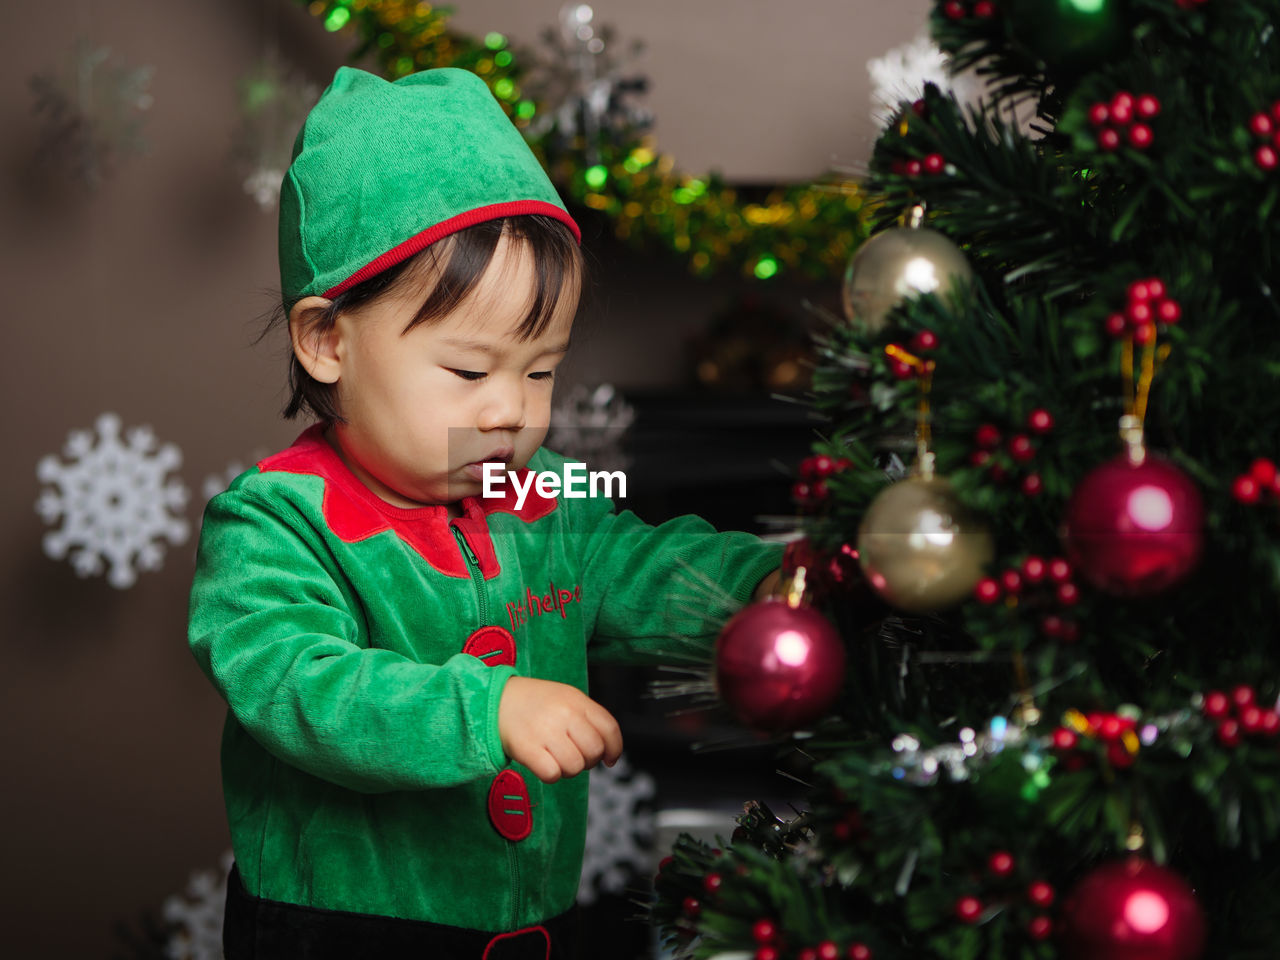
[509, 808]
[493, 645]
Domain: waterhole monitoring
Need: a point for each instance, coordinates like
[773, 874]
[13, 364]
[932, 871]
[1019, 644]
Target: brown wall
[140, 297]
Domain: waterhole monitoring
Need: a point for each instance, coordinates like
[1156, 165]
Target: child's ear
[315, 343]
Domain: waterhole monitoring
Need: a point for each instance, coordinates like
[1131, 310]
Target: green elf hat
[382, 170]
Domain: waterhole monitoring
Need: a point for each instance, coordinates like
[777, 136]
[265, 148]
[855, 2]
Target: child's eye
[542, 375]
[468, 374]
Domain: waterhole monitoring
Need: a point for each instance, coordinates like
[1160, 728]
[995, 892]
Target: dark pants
[256, 929]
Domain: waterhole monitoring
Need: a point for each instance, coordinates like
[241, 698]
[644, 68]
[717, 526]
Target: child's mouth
[500, 458]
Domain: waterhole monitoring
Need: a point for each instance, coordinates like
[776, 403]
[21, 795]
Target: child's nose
[504, 408]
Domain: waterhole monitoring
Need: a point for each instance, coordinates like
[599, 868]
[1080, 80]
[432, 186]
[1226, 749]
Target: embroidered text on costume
[533, 605]
[575, 483]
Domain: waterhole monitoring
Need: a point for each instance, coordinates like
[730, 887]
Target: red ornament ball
[1216, 705]
[1246, 490]
[764, 931]
[987, 590]
[1001, 863]
[968, 909]
[1122, 109]
[1132, 909]
[1229, 733]
[987, 436]
[1040, 420]
[778, 667]
[1134, 529]
[1264, 471]
[1141, 136]
[1040, 893]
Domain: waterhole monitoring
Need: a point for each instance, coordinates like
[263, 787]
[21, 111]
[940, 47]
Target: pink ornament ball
[1132, 909]
[1134, 530]
[778, 667]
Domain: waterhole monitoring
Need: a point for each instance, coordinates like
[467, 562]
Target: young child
[404, 660]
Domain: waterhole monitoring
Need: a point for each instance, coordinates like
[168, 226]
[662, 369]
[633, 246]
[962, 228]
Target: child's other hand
[768, 587]
[554, 729]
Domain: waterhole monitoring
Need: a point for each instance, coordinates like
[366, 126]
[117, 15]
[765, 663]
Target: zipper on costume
[513, 862]
[477, 578]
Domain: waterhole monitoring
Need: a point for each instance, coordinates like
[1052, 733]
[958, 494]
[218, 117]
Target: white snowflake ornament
[115, 500]
[619, 829]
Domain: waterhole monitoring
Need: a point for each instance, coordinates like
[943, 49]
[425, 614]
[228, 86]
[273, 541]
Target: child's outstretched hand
[554, 729]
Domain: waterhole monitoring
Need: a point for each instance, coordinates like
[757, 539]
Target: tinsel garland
[799, 230]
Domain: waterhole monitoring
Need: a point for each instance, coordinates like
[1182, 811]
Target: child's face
[425, 409]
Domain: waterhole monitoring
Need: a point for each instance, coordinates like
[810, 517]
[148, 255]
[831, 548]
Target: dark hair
[458, 261]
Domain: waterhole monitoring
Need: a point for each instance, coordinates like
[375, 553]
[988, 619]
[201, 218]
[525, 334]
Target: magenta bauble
[1132, 909]
[1134, 529]
[778, 667]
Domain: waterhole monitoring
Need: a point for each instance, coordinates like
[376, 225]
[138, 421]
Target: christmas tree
[1029, 648]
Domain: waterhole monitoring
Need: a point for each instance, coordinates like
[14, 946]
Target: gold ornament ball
[920, 548]
[897, 264]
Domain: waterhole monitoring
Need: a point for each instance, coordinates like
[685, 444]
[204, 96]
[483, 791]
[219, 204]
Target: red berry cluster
[1237, 713]
[925, 341]
[1020, 448]
[1125, 111]
[1148, 305]
[1111, 729]
[1039, 894]
[810, 491]
[932, 164]
[765, 933]
[955, 10]
[1266, 126]
[1262, 478]
[824, 571]
[1054, 576]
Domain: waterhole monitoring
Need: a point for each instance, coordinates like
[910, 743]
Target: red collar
[353, 512]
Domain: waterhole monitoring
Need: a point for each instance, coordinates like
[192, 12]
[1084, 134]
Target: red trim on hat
[470, 218]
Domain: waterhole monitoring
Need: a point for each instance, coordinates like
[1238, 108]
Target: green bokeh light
[258, 93]
[504, 88]
[495, 41]
[1088, 6]
[337, 19]
[525, 109]
[596, 176]
[502, 59]
[766, 267]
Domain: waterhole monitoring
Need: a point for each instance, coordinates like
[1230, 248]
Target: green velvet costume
[361, 755]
